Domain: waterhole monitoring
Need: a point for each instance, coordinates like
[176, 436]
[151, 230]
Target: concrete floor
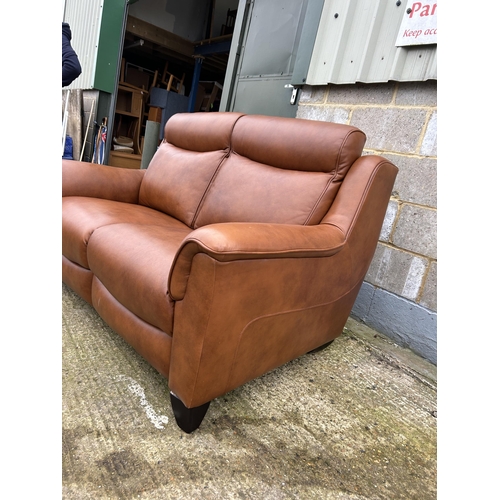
[354, 421]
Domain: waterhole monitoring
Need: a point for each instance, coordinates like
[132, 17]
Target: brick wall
[398, 297]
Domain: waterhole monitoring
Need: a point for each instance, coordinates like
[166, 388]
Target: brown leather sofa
[242, 246]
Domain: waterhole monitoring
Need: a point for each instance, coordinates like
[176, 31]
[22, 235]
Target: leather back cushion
[280, 170]
[298, 144]
[181, 170]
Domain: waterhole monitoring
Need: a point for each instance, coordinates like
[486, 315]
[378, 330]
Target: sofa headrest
[201, 131]
[330, 147]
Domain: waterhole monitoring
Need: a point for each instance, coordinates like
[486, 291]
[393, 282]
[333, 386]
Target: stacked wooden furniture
[129, 112]
[133, 110]
[172, 82]
[208, 93]
[128, 118]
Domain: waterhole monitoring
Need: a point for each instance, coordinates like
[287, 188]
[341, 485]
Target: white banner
[419, 24]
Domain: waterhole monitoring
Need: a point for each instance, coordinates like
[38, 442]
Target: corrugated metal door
[274, 41]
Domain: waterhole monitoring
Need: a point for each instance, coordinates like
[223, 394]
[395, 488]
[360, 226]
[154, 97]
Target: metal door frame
[314, 9]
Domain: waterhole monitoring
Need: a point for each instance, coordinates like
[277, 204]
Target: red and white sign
[419, 24]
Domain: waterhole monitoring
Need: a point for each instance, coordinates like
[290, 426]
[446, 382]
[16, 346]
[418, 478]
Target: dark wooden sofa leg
[320, 348]
[188, 419]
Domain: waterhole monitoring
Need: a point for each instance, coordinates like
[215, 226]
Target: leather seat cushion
[133, 262]
[81, 216]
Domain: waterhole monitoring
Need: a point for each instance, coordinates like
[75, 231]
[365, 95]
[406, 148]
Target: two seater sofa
[242, 246]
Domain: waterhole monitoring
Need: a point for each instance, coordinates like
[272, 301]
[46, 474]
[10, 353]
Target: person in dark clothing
[71, 68]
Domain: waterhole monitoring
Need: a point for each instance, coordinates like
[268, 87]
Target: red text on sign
[425, 9]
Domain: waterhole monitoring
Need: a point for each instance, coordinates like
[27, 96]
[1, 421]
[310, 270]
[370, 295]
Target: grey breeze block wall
[399, 295]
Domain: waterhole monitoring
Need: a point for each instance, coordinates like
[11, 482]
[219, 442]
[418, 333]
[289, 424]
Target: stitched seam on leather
[363, 197]
[338, 227]
[336, 169]
[212, 179]
[318, 201]
[281, 313]
[205, 193]
[279, 254]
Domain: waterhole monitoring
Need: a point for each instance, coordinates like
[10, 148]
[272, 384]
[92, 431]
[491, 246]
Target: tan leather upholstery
[186, 163]
[241, 247]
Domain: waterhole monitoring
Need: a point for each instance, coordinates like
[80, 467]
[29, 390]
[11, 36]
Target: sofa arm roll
[101, 181]
[243, 241]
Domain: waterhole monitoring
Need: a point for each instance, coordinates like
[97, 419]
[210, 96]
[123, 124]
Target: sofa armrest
[101, 181]
[360, 207]
[243, 241]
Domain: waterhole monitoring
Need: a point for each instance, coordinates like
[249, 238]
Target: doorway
[270, 56]
[250, 56]
[171, 50]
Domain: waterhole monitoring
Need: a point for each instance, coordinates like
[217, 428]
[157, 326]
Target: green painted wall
[109, 47]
